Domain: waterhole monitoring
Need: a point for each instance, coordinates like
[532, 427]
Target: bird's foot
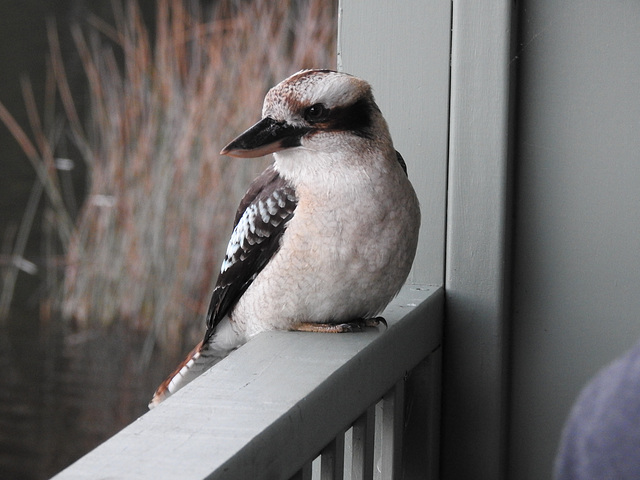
[353, 326]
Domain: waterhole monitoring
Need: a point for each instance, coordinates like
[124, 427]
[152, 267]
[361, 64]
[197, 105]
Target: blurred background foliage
[146, 120]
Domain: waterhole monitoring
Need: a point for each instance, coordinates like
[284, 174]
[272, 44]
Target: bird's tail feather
[199, 360]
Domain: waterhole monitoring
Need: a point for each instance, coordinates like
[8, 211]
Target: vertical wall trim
[476, 262]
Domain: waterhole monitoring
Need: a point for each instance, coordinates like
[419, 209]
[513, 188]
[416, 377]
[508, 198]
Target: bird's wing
[402, 163]
[260, 221]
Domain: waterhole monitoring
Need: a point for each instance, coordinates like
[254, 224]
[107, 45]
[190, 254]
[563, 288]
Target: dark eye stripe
[356, 118]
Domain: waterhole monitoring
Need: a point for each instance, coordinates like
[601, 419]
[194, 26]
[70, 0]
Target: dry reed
[148, 241]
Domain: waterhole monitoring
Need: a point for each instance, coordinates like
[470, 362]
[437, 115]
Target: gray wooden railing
[298, 405]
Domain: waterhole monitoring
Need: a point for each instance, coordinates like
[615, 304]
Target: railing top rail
[273, 403]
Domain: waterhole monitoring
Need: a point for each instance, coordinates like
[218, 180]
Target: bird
[326, 236]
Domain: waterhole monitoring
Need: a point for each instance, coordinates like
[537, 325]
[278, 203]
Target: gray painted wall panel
[576, 301]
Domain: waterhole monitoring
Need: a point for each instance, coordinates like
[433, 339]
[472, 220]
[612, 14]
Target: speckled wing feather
[260, 221]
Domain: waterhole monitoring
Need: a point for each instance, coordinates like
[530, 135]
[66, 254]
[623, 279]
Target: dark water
[61, 392]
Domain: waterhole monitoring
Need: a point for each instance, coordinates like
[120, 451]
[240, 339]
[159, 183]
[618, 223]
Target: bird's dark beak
[266, 136]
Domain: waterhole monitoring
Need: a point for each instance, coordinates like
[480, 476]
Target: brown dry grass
[147, 243]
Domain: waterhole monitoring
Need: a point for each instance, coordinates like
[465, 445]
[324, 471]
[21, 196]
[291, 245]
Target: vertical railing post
[305, 473]
[363, 439]
[332, 459]
[421, 443]
[391, 425]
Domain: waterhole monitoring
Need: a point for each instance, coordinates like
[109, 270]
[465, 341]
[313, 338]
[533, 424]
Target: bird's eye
[316, 113]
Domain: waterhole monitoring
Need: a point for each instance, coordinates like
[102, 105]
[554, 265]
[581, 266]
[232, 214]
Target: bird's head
[318, 110]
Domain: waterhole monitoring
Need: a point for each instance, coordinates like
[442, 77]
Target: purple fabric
[601, 439]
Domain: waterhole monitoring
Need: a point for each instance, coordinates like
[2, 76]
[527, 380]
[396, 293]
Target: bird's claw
[361, 324]
[353, 326]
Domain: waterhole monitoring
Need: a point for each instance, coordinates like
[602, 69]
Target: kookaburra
[325, 237]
